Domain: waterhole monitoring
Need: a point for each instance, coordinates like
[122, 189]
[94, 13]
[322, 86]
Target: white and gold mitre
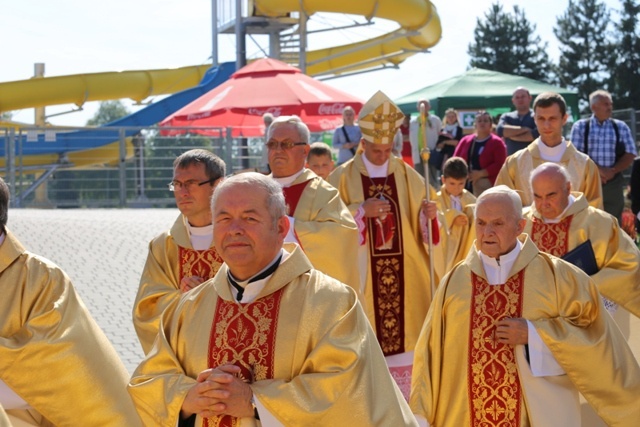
[379, 119]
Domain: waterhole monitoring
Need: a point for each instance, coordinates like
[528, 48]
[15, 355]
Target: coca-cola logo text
[331, 109]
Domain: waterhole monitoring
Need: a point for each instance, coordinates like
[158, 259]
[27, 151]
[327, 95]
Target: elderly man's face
[286, 162]
[497, 226]
[550, 194]
[244, 233]
[602, 108]
[377, 154]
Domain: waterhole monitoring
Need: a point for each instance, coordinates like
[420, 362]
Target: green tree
[506, 42]
[108, 112]
[625, 62]
[584, 48]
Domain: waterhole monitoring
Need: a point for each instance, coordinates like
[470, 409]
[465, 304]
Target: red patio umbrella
[264, 86]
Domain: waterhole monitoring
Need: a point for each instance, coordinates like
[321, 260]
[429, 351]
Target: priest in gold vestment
[560, 221]
[387, 199]
[321, 223]
[513, 334]
[550, 114]
[183, 257]
[57, 367]
[270, 340]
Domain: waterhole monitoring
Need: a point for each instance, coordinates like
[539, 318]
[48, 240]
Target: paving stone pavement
[103, 251]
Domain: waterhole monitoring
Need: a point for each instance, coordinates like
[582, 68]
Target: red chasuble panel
[203, 264]
[292, 195]
[387, 266]
[495, 394]
[244, 335]
[551, 238]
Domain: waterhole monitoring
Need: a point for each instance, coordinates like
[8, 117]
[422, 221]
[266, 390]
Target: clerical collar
[200, 237]
[559, 218]
[287, 180]
[552, 154]
[375, 171]
[255, 284]
[497, 270]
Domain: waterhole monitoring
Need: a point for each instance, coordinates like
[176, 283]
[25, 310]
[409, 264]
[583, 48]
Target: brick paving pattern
[103, 251]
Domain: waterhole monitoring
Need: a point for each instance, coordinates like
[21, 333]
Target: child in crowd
[319, 159]
[456, 204]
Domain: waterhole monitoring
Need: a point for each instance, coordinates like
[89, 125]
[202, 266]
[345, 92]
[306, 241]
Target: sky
[79, 36]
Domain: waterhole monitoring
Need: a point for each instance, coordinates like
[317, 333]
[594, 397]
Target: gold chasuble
[304, 344]
[324, 227]
[463, 377]
[171, 257]
[457, 239]
[582, 170]
[617, 257]
[52, 353]
[398, 287]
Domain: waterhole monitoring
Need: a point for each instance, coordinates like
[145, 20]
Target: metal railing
[118, 167]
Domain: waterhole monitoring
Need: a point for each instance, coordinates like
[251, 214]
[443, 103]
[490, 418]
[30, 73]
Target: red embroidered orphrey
[495, 394]
[387, 266]
[203, 264]
[244, 335]
[551, 238]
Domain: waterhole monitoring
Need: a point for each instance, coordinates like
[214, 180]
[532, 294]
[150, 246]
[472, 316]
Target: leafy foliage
[625, 57]
[506, 42]
[583, 33]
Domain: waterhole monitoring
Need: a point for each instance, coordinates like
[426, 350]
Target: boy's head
[454, 175]
[320, 160]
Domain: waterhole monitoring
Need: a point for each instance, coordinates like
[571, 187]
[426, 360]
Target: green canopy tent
[479, 89]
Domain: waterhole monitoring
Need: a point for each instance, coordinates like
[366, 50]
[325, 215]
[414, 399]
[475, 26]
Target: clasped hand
[219, 391]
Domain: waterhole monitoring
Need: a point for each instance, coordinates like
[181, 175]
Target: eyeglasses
[283, 145]
[189, 185]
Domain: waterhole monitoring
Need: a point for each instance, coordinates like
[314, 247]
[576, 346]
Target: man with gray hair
[610, 144]
[320, 222]
[270, 338]
[522, 326]
[183, 257]
[561, 222]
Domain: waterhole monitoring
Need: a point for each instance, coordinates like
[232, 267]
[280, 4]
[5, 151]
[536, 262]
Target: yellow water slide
[80, 88]
[420, 29]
